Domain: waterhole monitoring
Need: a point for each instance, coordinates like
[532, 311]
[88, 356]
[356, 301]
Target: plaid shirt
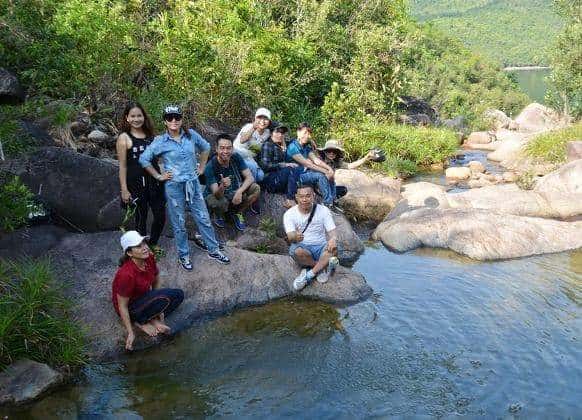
[272, 156]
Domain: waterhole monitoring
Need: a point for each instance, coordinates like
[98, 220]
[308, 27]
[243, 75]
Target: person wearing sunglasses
[177, 149]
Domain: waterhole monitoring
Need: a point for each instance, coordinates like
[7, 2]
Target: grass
[16, 202]
[407, 147]
[269, 226]
[551, 146]
[34, 321]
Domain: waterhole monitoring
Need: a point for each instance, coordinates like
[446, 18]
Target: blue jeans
[325, 187]
[153, 303]
[178, 196]
[257, 172]
[283, 180]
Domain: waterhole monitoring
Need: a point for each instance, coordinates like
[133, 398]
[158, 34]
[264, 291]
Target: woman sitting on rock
[138, 188]
[136, 293]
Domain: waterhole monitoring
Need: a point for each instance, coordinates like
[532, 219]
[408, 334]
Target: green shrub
[34, 320]
[16, 202]
[551, 146]
[407, 147]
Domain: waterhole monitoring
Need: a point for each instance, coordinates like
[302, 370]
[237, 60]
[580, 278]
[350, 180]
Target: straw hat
[333, 145]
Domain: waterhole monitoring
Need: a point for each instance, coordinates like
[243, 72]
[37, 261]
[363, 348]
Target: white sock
[309, 275]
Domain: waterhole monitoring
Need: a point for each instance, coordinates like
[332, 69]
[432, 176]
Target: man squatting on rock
[311, 230]
[176, 149]
[136, 293]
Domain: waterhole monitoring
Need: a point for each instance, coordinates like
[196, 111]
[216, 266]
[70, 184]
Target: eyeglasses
[172, 117]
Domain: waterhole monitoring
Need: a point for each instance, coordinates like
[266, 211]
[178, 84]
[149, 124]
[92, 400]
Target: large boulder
[497, 119]
[536, 118]
[479, 138]
[416, 111]
[458, 173]
[566, 180]
[25, 381]
[11, 91]
[479, 234]
[82, 190]
[87, 263]
[574, 150]
[369, 197]
[350, 245]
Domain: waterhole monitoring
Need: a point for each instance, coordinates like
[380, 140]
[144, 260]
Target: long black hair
[148, 124]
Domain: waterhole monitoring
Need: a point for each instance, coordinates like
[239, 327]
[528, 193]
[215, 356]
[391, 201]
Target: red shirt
[132, 282]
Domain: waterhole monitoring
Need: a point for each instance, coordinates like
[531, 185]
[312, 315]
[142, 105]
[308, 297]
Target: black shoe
[186, 264]
[219, 256]
[199, 243]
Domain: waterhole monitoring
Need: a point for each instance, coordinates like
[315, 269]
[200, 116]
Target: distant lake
[533, 83]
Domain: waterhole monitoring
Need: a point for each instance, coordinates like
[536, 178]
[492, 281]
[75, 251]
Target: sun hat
[333, 145]
[130, 239]
[263, 112]
[172, 109]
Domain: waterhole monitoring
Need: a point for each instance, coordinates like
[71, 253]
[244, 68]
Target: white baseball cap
[131, 238]
[263, 112]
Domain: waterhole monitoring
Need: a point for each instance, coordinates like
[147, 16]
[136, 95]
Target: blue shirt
[180, 158]
[295, 148]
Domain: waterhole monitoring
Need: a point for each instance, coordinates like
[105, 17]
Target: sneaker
[219, 222]
[300, 281]
[186, 264]
[219, 256]
[322, 276]
[240, 222]
[254, 208]
[199, 242]
[332, 265]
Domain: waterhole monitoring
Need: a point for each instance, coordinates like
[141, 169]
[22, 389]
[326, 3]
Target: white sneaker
[332, 265]
[300, 281]
[322, 276]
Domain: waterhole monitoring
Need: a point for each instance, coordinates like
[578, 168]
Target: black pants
[148, 196]
[283, 180]
[153, 303]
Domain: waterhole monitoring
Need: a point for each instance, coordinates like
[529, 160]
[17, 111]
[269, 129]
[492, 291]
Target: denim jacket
[180, 158]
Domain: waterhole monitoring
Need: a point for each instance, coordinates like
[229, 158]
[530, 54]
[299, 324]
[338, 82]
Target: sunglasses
[171, 117]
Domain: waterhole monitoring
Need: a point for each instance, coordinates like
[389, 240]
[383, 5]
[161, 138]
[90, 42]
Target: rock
[509, 149]
[480, 146]
[349, 244]
[479, 183]
[81, 125]
[437, 167]
[25, 381]
[476, 167]
[479, 137]
[417, 111]
[458, 172]
[81, 189]
[87, 262]
[574, 150]
[369, 197]
[459, 124]
[259, 241]
[497, 119]
[537, 118]
[479, 234]
[510, 176]
[567, 180]
[30, 241]
[10, 90]
[99, 137]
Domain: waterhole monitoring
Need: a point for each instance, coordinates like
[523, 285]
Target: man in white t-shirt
[313, 242]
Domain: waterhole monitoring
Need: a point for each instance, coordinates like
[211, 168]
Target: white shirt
[322, 222]
[255, 140]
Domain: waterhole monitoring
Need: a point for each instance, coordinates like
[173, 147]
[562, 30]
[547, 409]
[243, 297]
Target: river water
[443, 335]
[533, 83]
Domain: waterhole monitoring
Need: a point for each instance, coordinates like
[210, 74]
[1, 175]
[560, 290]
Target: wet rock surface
[25, 381]
[88, 263]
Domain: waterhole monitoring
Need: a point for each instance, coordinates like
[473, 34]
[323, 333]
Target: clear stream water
[443, 335]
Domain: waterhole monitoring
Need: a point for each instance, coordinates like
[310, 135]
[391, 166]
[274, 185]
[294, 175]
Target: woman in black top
[137, 186]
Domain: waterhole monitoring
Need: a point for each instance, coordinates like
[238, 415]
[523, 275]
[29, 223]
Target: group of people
[165, 172]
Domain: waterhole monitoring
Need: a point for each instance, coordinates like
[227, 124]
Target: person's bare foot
[160, 326]
[148, 328]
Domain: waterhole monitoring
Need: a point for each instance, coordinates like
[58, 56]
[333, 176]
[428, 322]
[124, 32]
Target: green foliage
[269, 226]
[512, 32]
[16, 202]
[34, 320]
[566, 78]
[408, 147]
[526, 181]
[551, 146]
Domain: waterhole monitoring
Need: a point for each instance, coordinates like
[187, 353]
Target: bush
[34, 319]
[551, 146]
[407, 147]
[16, 203]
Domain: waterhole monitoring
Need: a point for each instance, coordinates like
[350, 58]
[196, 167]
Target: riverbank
[525, 68]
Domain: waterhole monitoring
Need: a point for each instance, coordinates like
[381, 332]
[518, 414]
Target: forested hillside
[514, 32]
[342, 64]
